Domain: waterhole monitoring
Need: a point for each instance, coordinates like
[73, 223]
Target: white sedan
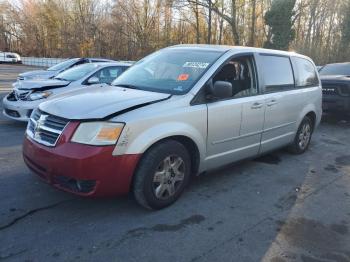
[27, 95]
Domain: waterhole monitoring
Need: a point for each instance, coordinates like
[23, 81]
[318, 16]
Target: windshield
[76, 72]
[63, 65]
[173, 71]
[336, 69]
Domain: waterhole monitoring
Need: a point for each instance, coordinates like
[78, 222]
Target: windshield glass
[76, 72]
[336, 69]
[62, 65]
[173, 71]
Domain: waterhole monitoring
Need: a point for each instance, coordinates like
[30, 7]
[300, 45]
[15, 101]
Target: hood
[98, 102]
[37, 74]
[40, 84]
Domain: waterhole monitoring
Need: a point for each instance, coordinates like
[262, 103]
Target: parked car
[8, 57]
[27, 95]
[319, 68]
[176, 113]
[58, 68]
[336, 88]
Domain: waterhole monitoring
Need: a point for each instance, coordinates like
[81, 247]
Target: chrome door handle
[272, 102]
[257, 105]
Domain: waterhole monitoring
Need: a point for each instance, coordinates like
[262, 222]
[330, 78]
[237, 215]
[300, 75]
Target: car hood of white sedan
[40, 84]
[42, 74]
[98, 102]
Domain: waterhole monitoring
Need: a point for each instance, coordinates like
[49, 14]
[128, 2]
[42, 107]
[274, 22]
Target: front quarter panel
[146, 126]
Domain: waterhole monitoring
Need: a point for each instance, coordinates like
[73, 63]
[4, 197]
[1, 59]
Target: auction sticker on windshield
[183, 77]
[201, 65]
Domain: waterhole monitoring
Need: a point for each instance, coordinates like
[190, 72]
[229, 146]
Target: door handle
[257, 105]
[272, 102]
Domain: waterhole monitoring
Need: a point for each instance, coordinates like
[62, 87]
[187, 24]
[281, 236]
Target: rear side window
[278, 73]
[305, 73]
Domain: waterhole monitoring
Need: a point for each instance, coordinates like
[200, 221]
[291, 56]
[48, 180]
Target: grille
[22, 95]
[339, 89]
[329, 90]
[45, 128]
[11, 96]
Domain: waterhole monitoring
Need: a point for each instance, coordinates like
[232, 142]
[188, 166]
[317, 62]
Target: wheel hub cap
[304, 136]
[168, 177]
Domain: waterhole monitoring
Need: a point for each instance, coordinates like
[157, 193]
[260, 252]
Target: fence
[41, 61]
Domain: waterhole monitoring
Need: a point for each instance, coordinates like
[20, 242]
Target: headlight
[98, 133]
[39, 95]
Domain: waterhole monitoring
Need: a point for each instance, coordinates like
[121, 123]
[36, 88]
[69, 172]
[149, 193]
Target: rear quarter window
[305, 73]
[277, 72]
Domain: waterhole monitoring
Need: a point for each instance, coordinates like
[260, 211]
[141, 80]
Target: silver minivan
[176, 113]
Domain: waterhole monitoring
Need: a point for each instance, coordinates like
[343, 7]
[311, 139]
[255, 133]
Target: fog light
[85, 186]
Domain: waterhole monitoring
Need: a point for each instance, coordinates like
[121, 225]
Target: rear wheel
[303, 136]
[162, 175]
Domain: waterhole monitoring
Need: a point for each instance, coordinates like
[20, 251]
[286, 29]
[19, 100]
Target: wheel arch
[188, 135]
[312, 116]
[311, 112]
[190, 146]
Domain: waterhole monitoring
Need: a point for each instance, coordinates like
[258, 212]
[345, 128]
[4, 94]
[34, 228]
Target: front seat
[227, 73]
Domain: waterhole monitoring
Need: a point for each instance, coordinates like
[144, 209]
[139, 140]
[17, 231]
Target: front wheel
[162, 175]
[303, 137]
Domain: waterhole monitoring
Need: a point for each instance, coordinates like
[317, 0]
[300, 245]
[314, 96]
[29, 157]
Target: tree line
[129, 30]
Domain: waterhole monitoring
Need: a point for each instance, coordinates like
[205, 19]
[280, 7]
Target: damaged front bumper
[80, 169]
[19, 110]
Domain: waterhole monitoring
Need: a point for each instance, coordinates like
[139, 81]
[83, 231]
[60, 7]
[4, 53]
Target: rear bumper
[336, 104]
[63, 166]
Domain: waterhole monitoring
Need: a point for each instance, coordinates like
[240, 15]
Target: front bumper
[19, 110]
[336, 104]
[68, 164]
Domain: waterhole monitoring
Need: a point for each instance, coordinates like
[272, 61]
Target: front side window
[10, 56]
[76, 72]
[108, 74]
[336, 69]
[240, 73]
[305, 72]
[173, 71]
[277, 72]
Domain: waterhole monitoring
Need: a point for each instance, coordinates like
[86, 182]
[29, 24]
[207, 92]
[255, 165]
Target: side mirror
[221, 89]
[93, 80]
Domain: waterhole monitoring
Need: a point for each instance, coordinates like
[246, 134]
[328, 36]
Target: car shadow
[336, 119]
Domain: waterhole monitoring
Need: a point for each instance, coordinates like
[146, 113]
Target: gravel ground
[280, 207]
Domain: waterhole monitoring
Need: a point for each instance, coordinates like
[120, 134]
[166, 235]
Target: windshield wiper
[127, 86]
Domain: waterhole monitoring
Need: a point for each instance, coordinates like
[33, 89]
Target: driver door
[235, 125]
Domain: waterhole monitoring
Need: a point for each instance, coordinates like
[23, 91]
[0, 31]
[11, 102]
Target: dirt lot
[277, 208]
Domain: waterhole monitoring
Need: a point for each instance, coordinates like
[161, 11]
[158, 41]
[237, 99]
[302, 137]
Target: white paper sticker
[201, 65]
[178, 88]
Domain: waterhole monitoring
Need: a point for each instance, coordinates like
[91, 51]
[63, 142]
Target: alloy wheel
[304, 136]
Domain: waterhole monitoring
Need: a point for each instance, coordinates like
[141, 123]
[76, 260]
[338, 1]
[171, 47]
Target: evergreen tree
[279, 19]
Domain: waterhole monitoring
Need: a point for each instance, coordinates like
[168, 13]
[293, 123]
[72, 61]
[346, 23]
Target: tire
[162, 175]
[302, 137]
